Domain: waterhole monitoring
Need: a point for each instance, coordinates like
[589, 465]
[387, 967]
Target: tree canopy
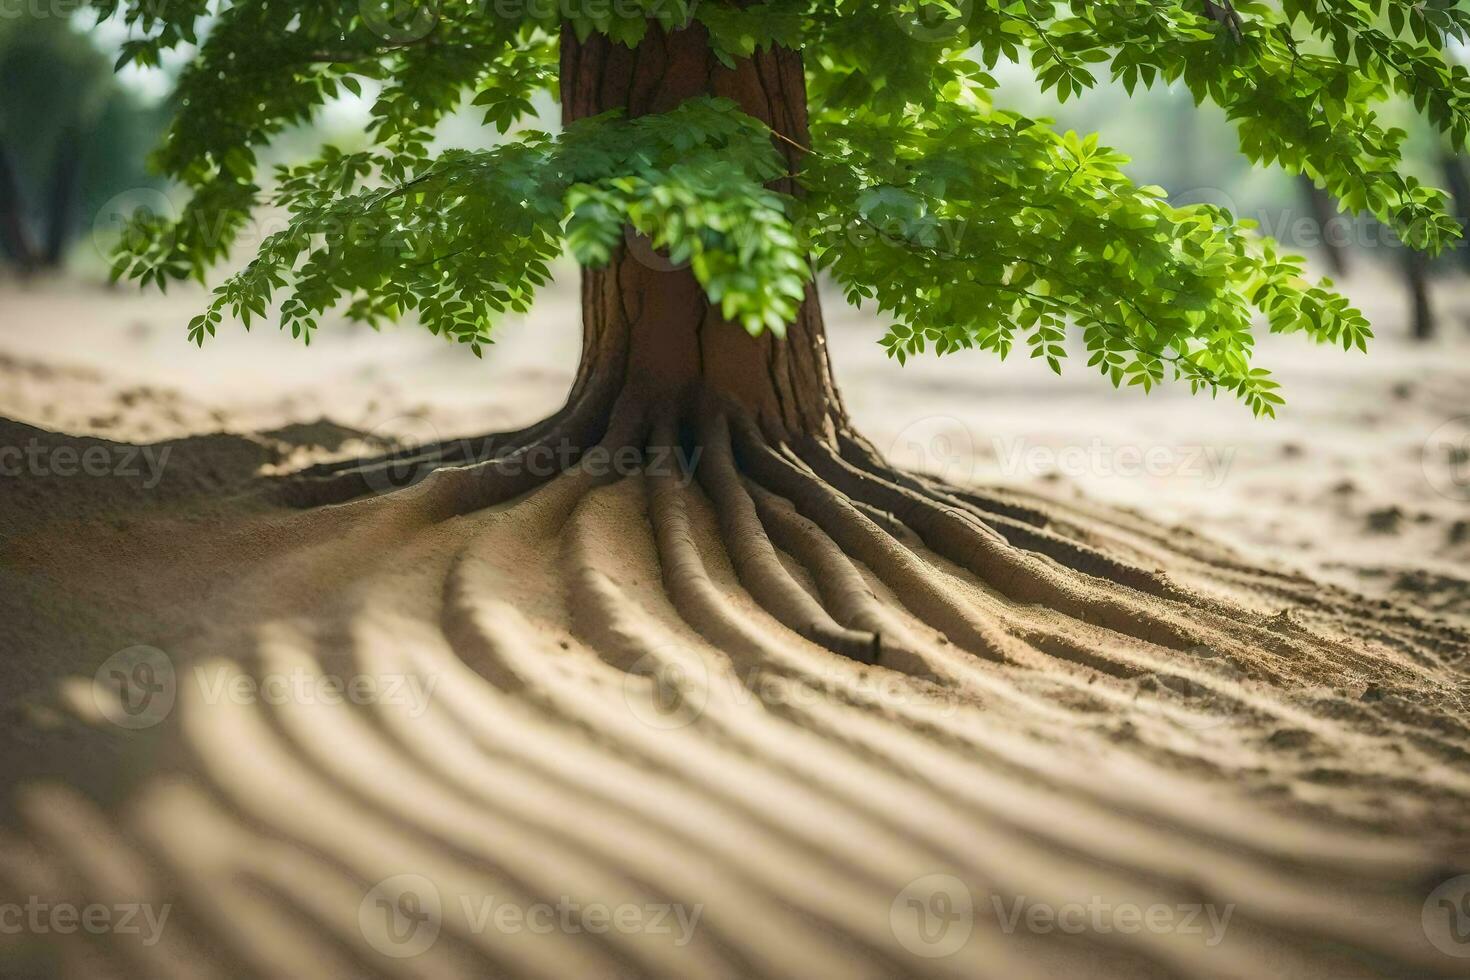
[967, 225]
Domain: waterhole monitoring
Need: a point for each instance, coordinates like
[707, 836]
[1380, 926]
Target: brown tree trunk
[1416, 277]
[652, 325]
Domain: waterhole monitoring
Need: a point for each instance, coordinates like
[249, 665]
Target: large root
[779, 679]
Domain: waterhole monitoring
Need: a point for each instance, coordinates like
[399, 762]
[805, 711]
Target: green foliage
[972, 227]
[471, 235]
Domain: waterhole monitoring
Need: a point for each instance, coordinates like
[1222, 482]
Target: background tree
[59, 104]
[753, 145]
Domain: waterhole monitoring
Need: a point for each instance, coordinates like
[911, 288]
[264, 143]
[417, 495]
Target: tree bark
[651, 326]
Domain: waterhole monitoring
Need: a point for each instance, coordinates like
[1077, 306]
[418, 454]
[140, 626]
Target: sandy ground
[811, 819]
[1357, 481]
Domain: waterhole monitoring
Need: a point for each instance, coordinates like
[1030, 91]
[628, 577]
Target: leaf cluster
[971, 226]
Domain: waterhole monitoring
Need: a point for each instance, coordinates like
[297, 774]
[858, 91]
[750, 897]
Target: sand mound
[369, 741]
[318, 743]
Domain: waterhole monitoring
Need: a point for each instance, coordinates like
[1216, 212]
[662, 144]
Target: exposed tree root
[828, 504]
[984, 660]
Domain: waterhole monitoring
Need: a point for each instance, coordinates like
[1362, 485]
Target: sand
[488, 792]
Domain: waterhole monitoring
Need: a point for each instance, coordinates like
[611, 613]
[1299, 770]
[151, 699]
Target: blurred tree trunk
[1323, 210]
[15, 239]
[1455, 177]
[1416, 273]
[62, 200]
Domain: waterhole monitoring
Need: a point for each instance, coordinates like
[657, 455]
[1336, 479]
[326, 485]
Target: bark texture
[651, 324]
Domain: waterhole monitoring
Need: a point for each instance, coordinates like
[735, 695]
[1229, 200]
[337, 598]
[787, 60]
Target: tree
[1322, 209]
[749, 145]
[50, 173]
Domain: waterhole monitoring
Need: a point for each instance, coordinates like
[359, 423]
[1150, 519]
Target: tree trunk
[61, 206]
[1453, 166]
[1323, 211]
[1416, 277]
[15, 239]
[652, 325]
